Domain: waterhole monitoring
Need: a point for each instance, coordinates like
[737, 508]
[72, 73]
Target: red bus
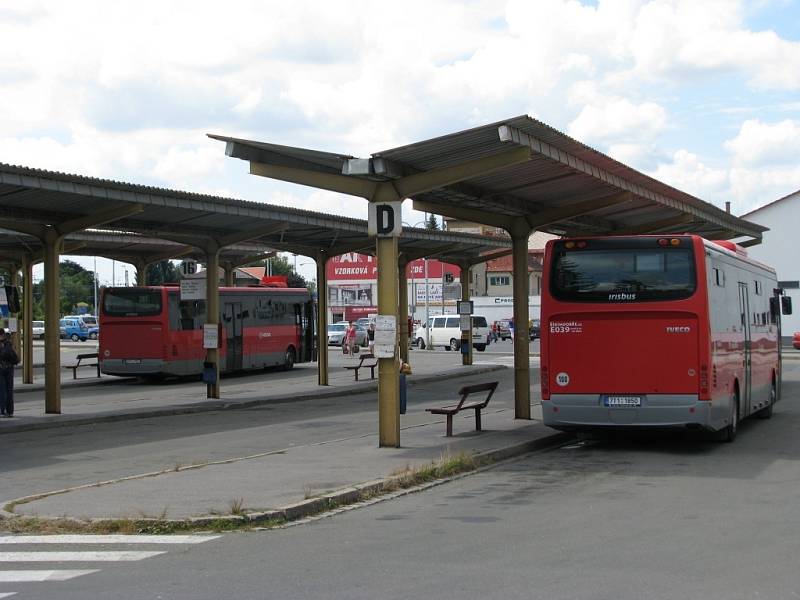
[658, 331]
[150, 331]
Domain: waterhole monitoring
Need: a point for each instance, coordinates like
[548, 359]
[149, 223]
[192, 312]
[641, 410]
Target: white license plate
[133, 361]
[622, 400]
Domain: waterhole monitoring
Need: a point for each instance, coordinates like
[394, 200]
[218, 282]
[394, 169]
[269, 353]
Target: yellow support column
[212, 312]
[141, 273]
[27, 319]
[403, 309]
[522, 375]
[230, 270]
[466, 359]
[322, 318]
[52, 343]
[388, 368]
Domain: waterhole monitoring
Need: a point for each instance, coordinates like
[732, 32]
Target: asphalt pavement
[314, 444]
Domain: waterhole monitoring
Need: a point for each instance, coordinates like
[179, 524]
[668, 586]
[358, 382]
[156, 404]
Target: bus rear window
[132, 302]
[622, 274]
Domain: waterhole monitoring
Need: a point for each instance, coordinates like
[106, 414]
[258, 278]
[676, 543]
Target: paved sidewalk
[291, 479]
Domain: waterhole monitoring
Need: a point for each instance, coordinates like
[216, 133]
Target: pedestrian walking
[8, 360]
[350, 339]
[371, 337]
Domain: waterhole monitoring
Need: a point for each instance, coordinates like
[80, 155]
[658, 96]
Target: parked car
[504, 329]
[536, 328]
[38, 330]
[363, 322]
[796, 340]
[445, 331]
[73, 328]
[91, 324]
[336, 333]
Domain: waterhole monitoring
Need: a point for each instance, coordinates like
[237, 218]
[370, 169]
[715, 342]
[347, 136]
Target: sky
[702, 95]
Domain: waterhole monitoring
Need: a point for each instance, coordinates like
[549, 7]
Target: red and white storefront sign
[352, 267]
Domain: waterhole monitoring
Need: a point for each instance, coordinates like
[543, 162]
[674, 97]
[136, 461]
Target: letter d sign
[385, 219]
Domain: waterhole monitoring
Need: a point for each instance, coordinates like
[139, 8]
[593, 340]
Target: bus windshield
[132, 302]
[629, 274]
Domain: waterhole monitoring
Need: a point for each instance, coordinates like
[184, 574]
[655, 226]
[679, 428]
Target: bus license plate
[622, 400]
[133, 361]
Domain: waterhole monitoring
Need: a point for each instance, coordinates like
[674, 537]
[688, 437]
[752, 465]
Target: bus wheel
[729, 433]
[288, 359]
[766, 412]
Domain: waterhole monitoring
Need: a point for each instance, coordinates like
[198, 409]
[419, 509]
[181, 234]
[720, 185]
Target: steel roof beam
[398, 189]
[514, 135]
[552, 215]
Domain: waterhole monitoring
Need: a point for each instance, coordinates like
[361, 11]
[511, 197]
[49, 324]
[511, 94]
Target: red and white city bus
[658, 331]
[150, 331]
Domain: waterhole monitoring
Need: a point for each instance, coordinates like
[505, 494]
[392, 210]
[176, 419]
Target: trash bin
[209, 373]
[402, 394]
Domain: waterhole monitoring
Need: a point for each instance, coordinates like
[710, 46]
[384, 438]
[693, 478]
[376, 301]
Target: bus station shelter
[44, 214]
[519, 175]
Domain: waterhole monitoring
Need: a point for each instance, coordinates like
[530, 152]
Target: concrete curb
[371, 492]
[217, 405]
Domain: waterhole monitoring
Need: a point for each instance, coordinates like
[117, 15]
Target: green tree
[77, 285]
[432, 223]
[282, 266]
[162, 272]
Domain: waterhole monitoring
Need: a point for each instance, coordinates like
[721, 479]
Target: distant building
[496, 277]
[779, 249]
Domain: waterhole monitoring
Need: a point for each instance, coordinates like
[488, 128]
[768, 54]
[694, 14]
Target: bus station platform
[310, 446]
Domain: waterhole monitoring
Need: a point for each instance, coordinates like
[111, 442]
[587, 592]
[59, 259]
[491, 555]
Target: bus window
[132, 302]
[622, 275]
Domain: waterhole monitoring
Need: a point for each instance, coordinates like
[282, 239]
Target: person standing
[8, 360]
[350, 339]
[371, 337]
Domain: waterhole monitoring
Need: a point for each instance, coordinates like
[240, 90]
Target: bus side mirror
[774, 308]
[786, 305]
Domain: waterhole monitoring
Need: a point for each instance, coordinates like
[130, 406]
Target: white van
[444, 331]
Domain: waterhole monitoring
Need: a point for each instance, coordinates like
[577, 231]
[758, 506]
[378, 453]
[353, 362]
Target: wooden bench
[465, 392]
[79, 363]
[361, 363]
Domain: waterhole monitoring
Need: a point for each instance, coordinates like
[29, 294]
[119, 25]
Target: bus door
[232, 317]
[303, 332]
[744, 311]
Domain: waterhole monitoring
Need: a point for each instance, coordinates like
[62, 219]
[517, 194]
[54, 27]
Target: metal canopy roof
[32, 197]
[121, 246]
[511, 169]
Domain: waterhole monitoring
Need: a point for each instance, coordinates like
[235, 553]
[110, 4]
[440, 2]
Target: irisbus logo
[622, 296]
[678, 329]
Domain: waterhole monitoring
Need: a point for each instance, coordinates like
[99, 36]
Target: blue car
[73, 329]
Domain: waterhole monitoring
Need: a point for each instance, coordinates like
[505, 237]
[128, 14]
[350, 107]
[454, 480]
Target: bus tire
[728, 434]
[288, 359]
[766, 412]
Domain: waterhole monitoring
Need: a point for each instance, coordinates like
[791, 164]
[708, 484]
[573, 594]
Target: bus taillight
[704, 393]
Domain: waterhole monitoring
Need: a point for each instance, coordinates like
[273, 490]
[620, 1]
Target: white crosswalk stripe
[107, 556]
[42, 575]
[105, 539]
[62, 555]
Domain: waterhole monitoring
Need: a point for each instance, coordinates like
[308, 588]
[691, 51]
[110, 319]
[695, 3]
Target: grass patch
[403, 478]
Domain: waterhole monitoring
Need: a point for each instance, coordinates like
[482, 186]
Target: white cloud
[618, 120]
[746, 188]
[763, 144]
